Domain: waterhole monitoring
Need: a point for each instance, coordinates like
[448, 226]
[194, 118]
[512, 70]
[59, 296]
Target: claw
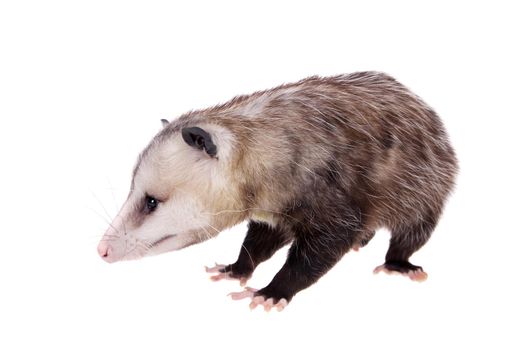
[246, 293]
[258, 300]
[267, 304]
[418, 275]
[221, 275]
[216, 268]
[281, 305]
[381, 268]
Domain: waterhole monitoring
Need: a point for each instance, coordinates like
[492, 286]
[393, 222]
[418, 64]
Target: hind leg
[403, 243]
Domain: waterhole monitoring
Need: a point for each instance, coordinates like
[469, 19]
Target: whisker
[249, 255]
[145, 245]
[99, 215]
[103, 218]
[111, 188]
[127, 253]
[208, 235]
[123, 224]
[216, 230]
[102, 205]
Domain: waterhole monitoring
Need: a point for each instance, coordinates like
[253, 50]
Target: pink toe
[256, 301]
[268, 304]
[281, 304]
[218, 277]
[418, 276]
[379, 269]
[216, 268]
[241, 295]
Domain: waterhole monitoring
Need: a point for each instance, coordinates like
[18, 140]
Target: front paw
[228, 272]
[238, 271]
[269, 293]
[258, 298]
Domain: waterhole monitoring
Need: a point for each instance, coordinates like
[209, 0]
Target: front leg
[260, 243]
[311, 255]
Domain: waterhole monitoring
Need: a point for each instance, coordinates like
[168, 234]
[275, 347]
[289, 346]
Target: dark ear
[164, 122]
[200, 139]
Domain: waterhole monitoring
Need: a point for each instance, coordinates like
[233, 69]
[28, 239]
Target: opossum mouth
[160, 241]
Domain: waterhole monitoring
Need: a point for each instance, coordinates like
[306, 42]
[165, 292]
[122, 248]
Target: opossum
[319, 164]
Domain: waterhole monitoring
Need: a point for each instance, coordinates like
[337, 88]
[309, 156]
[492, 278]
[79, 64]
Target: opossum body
[320, 164]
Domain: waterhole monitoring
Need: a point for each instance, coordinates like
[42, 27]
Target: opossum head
[180, 194]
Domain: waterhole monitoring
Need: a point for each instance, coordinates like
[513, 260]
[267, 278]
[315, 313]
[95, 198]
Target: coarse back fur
[303, 152]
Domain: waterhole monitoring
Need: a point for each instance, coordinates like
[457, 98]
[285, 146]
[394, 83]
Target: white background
[82, 88]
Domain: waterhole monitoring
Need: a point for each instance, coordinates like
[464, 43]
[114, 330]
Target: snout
[105, 251]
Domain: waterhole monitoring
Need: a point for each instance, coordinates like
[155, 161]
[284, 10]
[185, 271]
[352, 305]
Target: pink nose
[104, 250]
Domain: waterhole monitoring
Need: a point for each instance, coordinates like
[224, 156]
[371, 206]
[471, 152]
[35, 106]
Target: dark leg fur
[311, 255]
[261, 242]
[406, 241]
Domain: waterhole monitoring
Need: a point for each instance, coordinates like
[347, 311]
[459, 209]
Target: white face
[172, 203]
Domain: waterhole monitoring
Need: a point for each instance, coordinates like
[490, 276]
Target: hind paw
[415, 273]
[266, 302]
[221, 273]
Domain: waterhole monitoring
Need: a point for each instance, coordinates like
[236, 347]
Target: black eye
[199, 142]
[151, 203]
